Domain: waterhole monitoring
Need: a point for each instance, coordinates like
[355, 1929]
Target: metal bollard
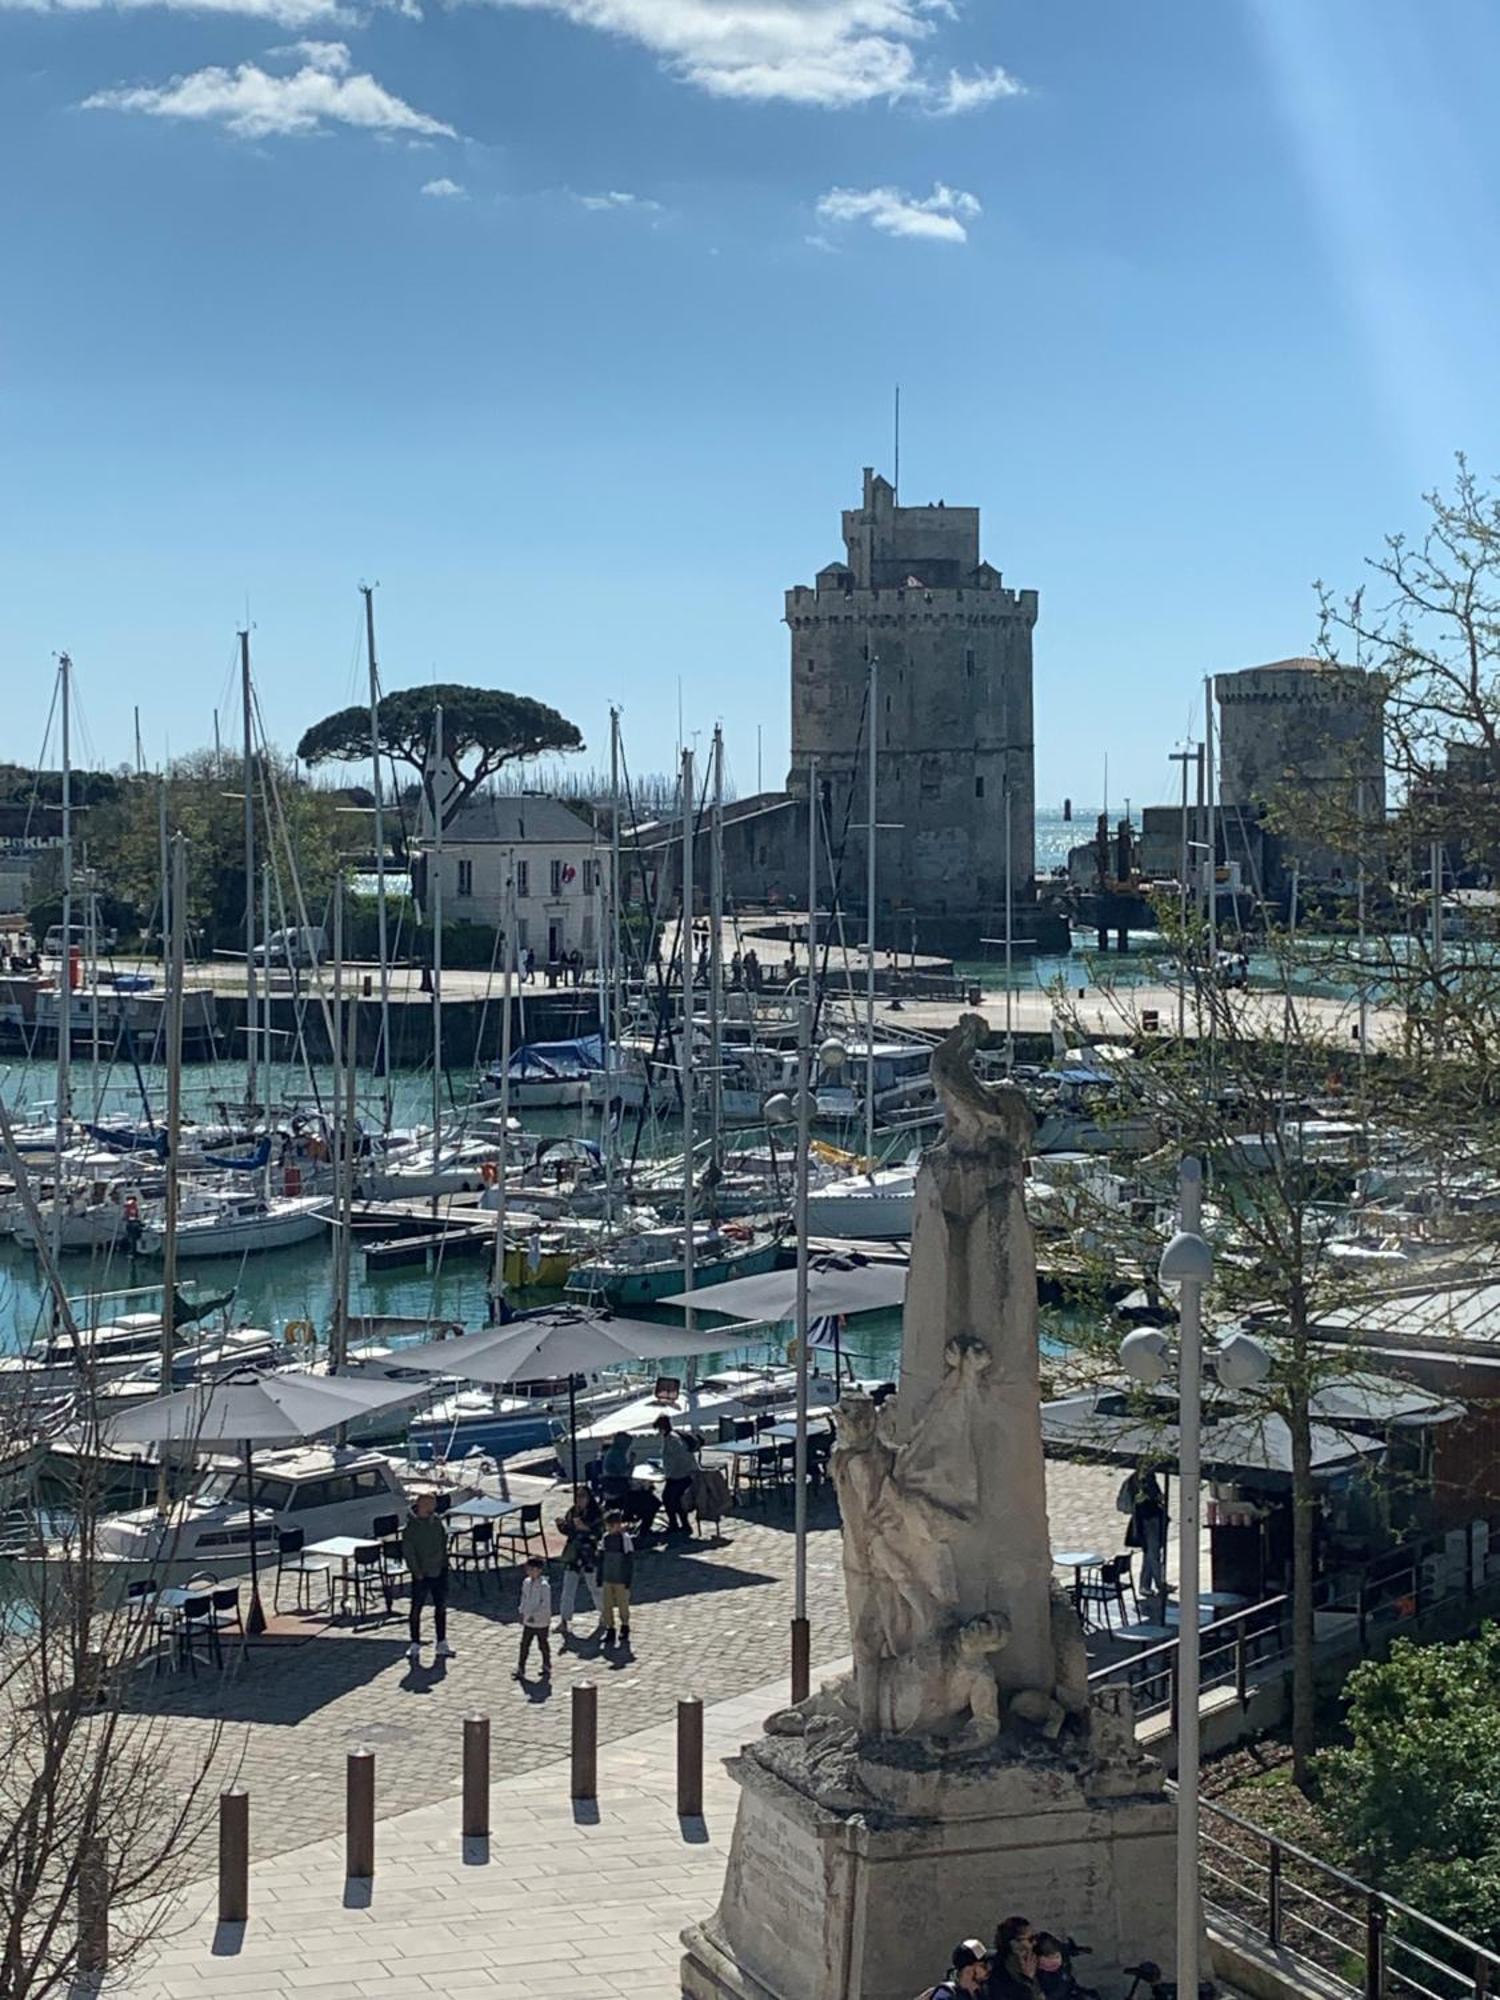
[93, 1907]
[234, 1855]
[690, 1758]
[585, 1783]
[476, 1823]
[359, 1816]
[801, 1659]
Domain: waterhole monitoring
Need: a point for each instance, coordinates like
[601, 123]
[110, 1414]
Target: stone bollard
[476, 1811]
[93, 1907]
[359, 1816]
[690, 1758]
[585, 1779]
[234, 1855]
[801, 1660]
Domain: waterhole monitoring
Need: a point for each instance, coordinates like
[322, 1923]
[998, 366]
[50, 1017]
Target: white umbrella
[563, 1341]
[836, 1286]
[253, 1407]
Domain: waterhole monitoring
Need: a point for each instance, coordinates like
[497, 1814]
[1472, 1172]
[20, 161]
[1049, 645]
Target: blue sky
[572, 322]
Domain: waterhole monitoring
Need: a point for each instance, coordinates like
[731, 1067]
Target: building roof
[514, 819]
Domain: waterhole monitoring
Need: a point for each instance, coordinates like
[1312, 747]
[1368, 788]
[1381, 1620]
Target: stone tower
[1303, 730]
[953, 728]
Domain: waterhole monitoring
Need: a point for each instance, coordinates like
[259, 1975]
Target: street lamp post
[1188, 1261]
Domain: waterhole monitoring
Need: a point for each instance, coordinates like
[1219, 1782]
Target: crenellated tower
[954, 713]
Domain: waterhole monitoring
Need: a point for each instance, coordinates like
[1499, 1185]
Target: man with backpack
[967, 1974]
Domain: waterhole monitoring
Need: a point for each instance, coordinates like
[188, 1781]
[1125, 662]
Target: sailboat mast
[716, 954]
[343, 1163]
[436, 901]
[383, 1049]
[685, 1045]
[65, 976]
[616, 984]
[176, 978]
[497, 1284]
[870, 923]
[247, 758]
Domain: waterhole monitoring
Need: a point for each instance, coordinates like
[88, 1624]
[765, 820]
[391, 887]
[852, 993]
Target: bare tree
[100, 1819]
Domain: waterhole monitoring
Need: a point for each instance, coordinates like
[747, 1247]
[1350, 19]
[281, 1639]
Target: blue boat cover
[242, 1163]
[567, 1060]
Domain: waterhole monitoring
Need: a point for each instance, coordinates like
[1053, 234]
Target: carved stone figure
[943, 1493]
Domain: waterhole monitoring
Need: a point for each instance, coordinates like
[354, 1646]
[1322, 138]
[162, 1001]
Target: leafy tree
[123, 841]
[484, 729]
[1414, 1798]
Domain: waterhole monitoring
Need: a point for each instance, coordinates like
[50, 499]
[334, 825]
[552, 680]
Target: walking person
[614, 1575]
[582, 1526]
[536, 1617]
[679, 1467]
[424, 1545]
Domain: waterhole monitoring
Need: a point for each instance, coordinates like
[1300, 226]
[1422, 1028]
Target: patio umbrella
[836, 1286]
[564, 1341]
[252, 1407]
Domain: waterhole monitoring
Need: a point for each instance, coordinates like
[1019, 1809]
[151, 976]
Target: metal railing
[1238, 1651]
[1370, 1599]
[1294, 1902]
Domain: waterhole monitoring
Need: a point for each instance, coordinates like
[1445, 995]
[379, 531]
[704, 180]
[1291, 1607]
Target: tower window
[969, 662]
[979, 788]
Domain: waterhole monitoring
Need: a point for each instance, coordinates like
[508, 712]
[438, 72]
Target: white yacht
[231, 1225]
[322, 1489]
[865, 1207]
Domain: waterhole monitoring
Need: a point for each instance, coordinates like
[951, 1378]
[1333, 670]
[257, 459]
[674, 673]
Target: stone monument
[962, 1772]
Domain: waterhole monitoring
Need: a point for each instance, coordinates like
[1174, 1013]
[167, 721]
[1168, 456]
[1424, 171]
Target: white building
[558, 869]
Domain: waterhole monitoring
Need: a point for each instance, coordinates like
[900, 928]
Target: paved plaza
[711, 1620]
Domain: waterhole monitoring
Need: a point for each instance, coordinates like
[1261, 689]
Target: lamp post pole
[1192, 1266]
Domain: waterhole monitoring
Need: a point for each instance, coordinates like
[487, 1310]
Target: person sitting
[1013, 1971]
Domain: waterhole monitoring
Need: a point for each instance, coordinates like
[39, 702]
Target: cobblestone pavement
[710, 1620]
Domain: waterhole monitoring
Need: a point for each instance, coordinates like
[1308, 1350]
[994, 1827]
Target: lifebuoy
[298, 1329]
[132, 1209]
[489, 1173]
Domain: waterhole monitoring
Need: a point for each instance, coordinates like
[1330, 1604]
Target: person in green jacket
[424, 1543]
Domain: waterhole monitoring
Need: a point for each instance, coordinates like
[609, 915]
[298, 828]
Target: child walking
[615, 1574]
[536, 1616]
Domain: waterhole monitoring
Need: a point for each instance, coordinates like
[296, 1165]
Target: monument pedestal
[851, 1876]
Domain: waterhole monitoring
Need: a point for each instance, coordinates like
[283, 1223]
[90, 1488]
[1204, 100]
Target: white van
[304, 945]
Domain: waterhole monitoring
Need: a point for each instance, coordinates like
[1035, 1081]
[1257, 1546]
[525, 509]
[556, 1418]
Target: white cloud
[255, 104]
[960, 93]
[939, 217]
[615, 200]
[818, 52]
[445, 190]
[284, 13]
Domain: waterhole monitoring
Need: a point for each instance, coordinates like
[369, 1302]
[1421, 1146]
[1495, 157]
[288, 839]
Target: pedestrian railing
[1355, 1605]
[1239, 1652]
[1294, 1902]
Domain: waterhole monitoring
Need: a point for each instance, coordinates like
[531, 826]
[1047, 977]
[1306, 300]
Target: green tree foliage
[122, 843]
[484, 729]
[1414, 1799]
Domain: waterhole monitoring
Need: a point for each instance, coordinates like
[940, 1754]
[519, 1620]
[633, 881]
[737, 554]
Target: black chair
[472, 1551]
[140, 1601]
[393, 1564]
[384, 1526]
[1104, 1586]
[194, 1625]
[292, 1560]
[366, 1580]
[225, 1614]
[527, 1523]
[442, 1501]
[762, 1470]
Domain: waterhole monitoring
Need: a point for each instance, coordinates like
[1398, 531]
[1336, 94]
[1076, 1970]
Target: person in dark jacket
[617, 1467]
[615, 1575]
[582, 1525]
[1148, 1528]
[424, 1544]
[1013, 1972]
